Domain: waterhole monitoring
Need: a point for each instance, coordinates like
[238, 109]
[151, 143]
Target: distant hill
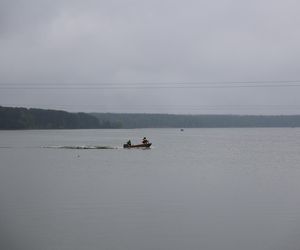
[197, 121]
[23, 118]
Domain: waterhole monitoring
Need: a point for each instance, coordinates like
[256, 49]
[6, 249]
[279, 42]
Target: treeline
[197, 121]
[23, 118]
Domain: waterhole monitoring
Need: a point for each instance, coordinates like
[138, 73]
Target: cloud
[148, 41]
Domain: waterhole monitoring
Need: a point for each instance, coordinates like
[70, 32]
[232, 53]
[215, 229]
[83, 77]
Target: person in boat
[145, 141]
[129, 143]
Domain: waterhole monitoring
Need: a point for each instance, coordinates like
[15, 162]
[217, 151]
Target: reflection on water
[202, 189]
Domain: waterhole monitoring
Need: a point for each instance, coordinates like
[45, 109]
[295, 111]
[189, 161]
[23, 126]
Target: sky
[158, 56]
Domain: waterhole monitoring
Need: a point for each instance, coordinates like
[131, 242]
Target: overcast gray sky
[170, 56]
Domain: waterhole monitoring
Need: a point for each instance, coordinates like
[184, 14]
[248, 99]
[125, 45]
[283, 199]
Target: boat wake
[81, 147]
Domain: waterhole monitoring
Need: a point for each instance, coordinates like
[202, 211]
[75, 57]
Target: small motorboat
[143, 145]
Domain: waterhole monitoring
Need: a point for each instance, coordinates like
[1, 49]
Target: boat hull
[144, 145]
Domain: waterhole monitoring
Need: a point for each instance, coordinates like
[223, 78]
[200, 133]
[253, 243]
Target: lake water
[210, 189]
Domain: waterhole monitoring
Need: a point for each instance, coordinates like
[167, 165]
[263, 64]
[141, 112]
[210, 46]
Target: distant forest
[197, 121]
[23, 118]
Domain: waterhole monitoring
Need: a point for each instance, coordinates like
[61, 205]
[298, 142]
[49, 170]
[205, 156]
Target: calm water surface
[210, 189]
